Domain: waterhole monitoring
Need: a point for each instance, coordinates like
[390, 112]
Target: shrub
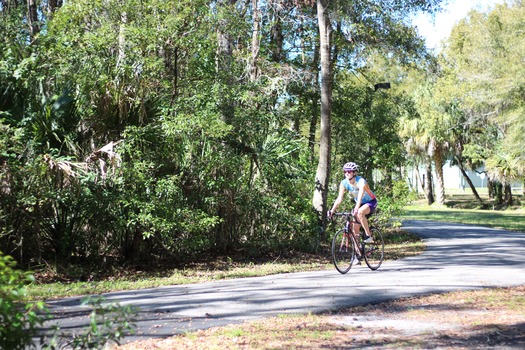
[19, 318]
[392, 200]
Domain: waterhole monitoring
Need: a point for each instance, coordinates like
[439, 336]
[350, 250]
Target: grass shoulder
[69, 281]
[478, 319]
[464, 209]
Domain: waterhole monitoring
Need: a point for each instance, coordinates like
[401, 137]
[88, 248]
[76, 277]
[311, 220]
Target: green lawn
[457, 209]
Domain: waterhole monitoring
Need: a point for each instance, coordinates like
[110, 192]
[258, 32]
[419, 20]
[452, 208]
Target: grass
[197, 273]
[463, 209]
[509, 220]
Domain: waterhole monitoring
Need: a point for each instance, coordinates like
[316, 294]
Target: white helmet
[351, 166]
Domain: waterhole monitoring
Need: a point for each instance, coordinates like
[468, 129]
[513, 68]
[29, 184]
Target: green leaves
[485, 57]
[19, 319]
[201, 110]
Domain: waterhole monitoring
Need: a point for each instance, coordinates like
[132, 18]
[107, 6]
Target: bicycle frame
[348, 244]
[349, 230]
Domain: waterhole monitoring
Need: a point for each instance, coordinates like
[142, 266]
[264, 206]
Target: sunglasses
[349, 171]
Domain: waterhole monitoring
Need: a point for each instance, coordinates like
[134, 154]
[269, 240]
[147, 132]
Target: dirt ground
[480, 319]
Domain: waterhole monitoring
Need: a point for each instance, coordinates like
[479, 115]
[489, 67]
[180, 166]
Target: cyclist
[365, 199]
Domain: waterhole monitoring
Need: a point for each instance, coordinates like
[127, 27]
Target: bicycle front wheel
[342, 251]
[374, 252]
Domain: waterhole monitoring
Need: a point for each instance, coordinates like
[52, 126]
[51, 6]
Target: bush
[19, 318]
[392, 200]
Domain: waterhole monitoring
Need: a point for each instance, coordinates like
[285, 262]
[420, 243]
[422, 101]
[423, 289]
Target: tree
[151, 129]
[34, 26]
[361, 25]
[482, 52]
[323, 167]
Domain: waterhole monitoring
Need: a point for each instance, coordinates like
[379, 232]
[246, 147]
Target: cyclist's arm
[359, 196]
[339, 198]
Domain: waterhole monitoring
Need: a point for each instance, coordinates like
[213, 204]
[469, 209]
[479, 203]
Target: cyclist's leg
[363, 211]
[355, 230]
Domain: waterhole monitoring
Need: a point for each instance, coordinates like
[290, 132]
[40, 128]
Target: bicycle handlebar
[344, 213]
[351, 213]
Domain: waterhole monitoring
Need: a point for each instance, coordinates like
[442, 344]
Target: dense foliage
[153, 129]
[484, 81]
[137, 130]
[117, 140]
[19, 318]
[469, 107]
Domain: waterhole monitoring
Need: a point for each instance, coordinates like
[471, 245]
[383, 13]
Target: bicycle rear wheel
[374, 252]
[342, 251]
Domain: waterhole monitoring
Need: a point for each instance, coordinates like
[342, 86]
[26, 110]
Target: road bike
[349, 248]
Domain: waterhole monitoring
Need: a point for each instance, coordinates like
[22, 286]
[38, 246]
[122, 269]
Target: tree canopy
[484, 79]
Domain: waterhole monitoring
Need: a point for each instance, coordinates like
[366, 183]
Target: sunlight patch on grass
[513, 220]
[175, 277]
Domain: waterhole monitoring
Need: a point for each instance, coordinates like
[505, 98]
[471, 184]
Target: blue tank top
[368, 195]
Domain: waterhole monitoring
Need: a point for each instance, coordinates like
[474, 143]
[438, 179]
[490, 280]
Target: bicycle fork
[345, 242]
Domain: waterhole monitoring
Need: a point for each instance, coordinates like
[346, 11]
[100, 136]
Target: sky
[437, 29]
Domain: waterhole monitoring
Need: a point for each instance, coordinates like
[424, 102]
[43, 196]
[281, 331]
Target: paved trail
[459, 257]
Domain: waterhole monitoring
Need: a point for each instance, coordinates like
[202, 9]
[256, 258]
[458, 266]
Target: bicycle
[346, 247]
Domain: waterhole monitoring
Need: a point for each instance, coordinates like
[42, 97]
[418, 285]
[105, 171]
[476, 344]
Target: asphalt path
[458, 257]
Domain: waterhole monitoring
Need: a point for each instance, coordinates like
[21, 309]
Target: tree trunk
[32, 12]
[498, 188]
[276, 33]
[315, 104]
[253, 67]
[225, 210]
[256, 34]
[419, 180]
[437, 156]
[428, 184]
[491, 186]
[469, 181]
[122, 38]
[52, 6]
[507, 196]
[323, 167]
